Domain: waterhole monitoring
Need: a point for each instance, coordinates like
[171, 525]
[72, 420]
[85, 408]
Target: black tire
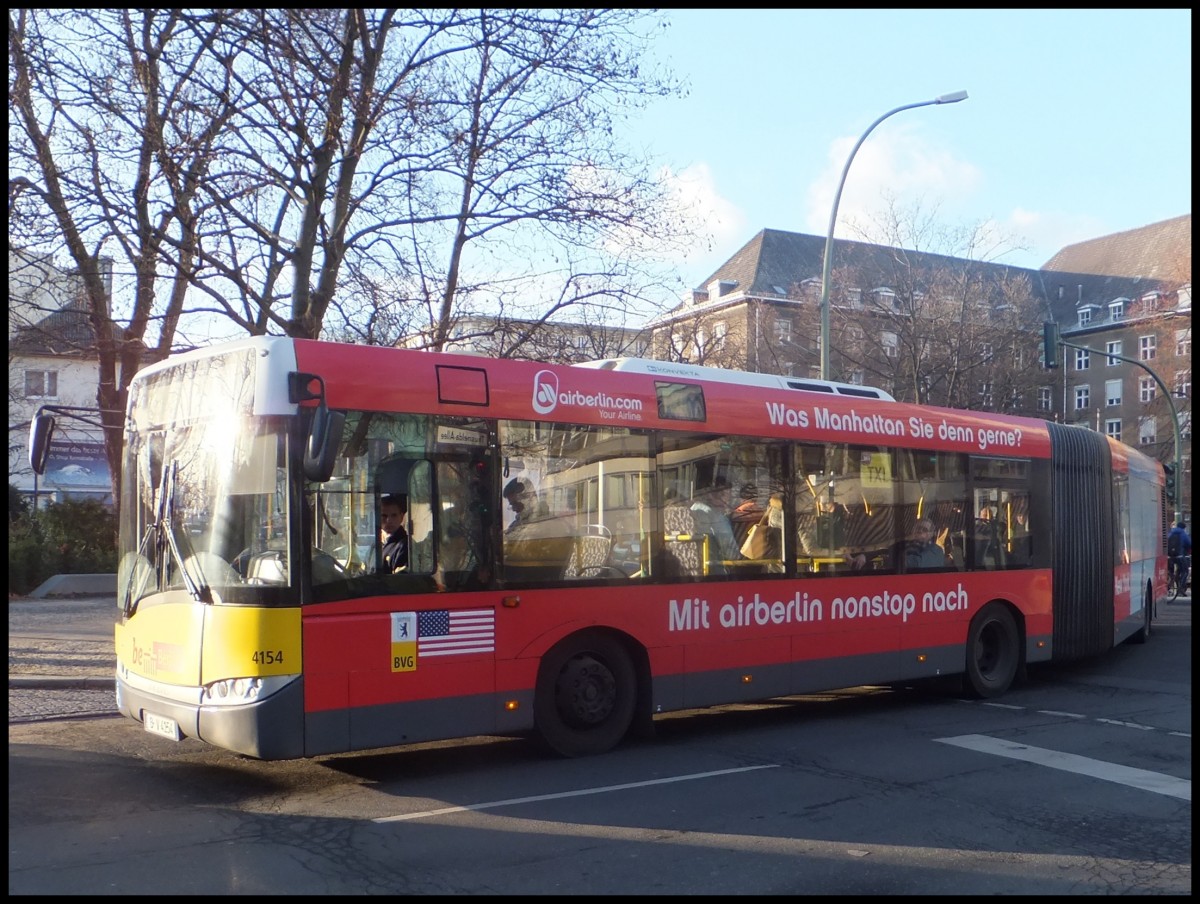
[1143, 633]
[993, 652]
[586, 695]
[1172, 585]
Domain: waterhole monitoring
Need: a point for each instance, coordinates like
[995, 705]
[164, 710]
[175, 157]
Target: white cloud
[1045, 233]
[718, 223]
[899, 164]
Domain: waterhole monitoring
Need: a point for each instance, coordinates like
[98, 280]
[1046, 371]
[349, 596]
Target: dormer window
[1150, 302]
[854, 296]
[1116, 309]
[1085, 316]
[886, 299]
[719, 288]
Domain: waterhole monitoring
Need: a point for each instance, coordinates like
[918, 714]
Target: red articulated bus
[574, 563]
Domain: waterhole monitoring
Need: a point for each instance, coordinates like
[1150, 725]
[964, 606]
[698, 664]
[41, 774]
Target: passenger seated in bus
[393, 536]
[748, 513]
[710, 513]
[1020, 540]
[523, 500]
[774, 527]
[823, 539]
[921, 551]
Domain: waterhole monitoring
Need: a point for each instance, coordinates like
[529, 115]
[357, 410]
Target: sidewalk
[61, 660]
[62, 642]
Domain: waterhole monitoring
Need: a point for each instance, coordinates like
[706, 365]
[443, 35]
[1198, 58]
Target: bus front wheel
[586, 694]
[993, 652]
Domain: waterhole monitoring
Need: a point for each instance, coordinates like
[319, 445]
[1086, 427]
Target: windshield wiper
[199, 591]
[130, 604]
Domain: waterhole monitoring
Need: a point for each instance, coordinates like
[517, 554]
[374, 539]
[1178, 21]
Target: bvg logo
[545, 391]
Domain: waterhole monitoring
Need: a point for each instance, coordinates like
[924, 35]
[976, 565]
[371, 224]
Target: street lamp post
[952, 98]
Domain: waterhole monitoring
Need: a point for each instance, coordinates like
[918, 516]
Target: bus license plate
[161, 725]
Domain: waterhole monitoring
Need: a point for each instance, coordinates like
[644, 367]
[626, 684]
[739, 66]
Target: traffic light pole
[1051, 338]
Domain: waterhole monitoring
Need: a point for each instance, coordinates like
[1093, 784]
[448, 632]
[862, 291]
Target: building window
[1146, 389]
[1113, 348]
[1083, 358]
[1183, 384]
[854, 296]
[1183, 343]
[1083, 397]
[985, 352]
[1116, 310]
[890, 342]
[1112, 427]
[783, 330]
[41, 384]
[1147, 347]
[720, 329]
[1085, 316]
[1044, 398]
[1150, 302]
[581, 342]
[1147, 431]
[1018, 356]
[856, 377]
[855, 333]
[985, 393]
[886, 299]
[1112, 392]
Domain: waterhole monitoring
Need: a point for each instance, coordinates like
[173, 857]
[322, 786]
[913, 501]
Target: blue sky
[1078, 124]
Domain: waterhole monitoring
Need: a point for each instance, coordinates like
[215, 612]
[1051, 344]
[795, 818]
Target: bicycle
[1174, 587]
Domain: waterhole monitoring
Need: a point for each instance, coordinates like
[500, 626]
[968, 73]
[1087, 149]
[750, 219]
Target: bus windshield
[204, 492]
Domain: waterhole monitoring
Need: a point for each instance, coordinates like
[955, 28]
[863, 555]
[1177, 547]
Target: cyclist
[1179, 552]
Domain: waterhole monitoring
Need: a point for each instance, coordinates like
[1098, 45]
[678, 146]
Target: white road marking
[584, 791]
[1070, 762]
[1122, 724]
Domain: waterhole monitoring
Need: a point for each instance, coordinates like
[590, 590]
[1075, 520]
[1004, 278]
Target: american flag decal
[445, 633]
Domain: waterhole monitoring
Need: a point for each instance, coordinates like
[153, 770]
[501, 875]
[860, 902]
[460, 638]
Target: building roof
[66, 332]
[775, 262]
[1161, 251]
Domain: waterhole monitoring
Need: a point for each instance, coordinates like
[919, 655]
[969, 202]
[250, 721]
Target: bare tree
[532, 168]
[289, 164]
[927, 313]
[107, 148]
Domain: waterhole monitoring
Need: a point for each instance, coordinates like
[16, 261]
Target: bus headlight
[241, 691]
[232, 691]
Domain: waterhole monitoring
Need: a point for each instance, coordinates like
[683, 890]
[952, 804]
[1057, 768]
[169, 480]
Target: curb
[62, 682]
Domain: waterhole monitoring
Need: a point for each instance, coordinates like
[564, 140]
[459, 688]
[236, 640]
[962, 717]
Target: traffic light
[1049, 344]
[1169, 474]
[480, 485]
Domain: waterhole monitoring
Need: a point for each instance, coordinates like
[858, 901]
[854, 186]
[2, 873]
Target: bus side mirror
[320, 451]
[41, 429]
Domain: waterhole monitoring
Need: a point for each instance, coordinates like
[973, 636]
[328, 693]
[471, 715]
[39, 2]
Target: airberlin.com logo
[547, 396]
[545, 392]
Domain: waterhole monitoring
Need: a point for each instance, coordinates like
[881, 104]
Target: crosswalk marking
[1070, 762]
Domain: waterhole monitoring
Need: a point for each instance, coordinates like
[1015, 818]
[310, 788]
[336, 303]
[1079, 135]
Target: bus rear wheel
[993, 652]
[586, 694]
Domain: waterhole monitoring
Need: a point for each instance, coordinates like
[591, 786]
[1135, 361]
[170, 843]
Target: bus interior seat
[684, 550]
[590, 553]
